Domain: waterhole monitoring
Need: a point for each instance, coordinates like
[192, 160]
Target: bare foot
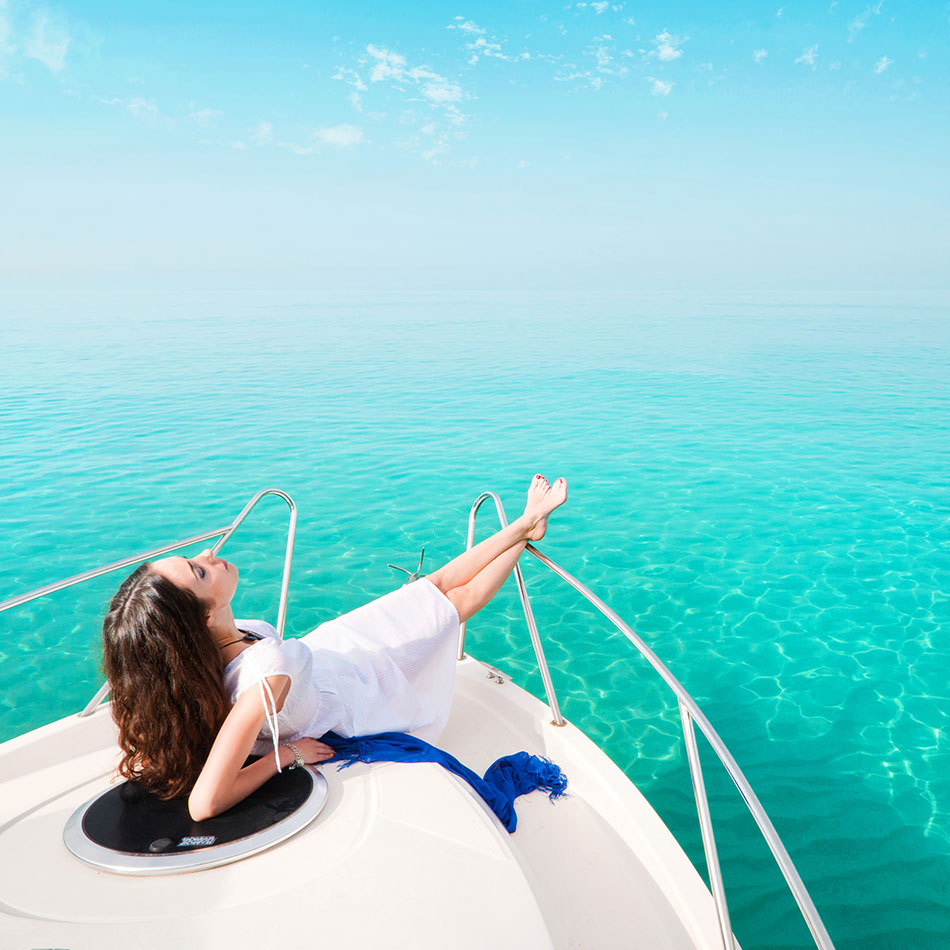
[542, 500]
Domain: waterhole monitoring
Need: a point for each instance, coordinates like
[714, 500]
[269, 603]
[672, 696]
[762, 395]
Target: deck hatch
[129, 831]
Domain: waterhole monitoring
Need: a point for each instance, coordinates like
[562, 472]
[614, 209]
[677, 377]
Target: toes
[538, 489]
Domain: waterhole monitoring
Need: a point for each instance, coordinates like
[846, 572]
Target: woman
[181, 668]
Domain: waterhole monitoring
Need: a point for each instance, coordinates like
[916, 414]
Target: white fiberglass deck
[402, 854]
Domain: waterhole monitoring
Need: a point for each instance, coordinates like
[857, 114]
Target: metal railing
[558, 719]
[225, 533]
[690, 713]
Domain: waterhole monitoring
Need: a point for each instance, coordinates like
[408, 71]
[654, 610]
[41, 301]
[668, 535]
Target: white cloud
[144, 107]
[602, 50]
[436, 127]
[835, 65]
[454, 116]
[435, 151]
[441, 90]
[138, 106]
[662, 116]
[206, 118]
[483, 47]
[479, 44]
[862, 19]
[882, 64]
[523, 163]
[658, 87]
[263, 132]
[809, 56]
[760, 54]
[47, 42]
[297, 149]
[900, 89]
[339, 135]
[389, 65]
[599, 6]
[352, 77]
[667, 46]
[240, 146]
[468, 26]
[436, 88]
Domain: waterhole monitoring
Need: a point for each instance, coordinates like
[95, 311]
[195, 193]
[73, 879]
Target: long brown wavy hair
[165, 675]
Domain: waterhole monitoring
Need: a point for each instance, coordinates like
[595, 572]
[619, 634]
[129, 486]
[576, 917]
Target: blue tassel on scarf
[506, 778]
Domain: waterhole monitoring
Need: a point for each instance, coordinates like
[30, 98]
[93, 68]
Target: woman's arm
[223, 782]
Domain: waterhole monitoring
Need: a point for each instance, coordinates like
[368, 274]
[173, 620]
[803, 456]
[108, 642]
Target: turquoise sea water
[759, 489]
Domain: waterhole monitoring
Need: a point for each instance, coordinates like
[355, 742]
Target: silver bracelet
[298, 758]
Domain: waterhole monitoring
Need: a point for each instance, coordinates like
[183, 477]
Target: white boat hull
[405, 854]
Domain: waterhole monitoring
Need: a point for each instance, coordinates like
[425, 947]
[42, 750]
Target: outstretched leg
[471, 597]
[530, 526]
[479, 573]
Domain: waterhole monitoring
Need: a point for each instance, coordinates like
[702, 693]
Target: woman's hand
[314, 751]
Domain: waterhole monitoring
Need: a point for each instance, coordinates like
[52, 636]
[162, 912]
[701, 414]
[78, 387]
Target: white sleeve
[261, 659]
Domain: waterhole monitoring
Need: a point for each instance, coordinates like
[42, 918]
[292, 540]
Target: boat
[405, 854]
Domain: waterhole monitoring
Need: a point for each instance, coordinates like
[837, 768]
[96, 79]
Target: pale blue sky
[587, 145]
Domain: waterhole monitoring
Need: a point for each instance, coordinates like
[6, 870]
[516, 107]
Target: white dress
[388, 666]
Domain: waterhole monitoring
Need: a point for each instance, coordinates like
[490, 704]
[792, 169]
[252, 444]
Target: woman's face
[210, 578]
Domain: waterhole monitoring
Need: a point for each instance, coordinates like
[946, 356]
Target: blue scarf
[506, 778]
